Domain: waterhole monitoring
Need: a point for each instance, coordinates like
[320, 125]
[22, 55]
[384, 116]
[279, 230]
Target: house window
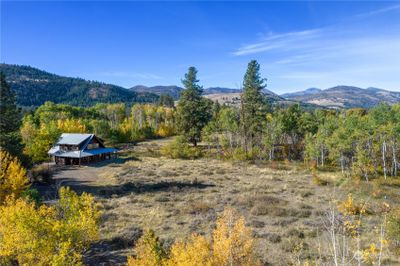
[69, 147]
[93, 146]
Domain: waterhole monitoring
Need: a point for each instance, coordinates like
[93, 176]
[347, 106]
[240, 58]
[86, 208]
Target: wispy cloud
[354, 52]
[278, 41]
[129, 74]
[308, 38]
[378, 11]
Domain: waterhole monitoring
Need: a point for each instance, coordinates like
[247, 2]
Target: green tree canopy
[253, 106]
[193, 111]
[10, 120]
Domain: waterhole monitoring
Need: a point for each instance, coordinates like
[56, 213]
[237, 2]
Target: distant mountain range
[345, 97]
[175, 91]
[33, 87]
[301, 93]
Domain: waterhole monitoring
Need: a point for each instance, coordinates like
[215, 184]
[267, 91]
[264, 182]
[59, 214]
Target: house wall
[93, 144]
[85, 160]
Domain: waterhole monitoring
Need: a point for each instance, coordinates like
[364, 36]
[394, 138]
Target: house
[77, 149]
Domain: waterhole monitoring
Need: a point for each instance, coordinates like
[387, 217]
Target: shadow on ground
[113, 162]
[111, 251]
[117, 191]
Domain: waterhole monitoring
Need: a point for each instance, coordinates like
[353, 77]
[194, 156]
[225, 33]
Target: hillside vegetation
[34, 87]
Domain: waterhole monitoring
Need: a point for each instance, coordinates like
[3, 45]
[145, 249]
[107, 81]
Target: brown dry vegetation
[284, 204]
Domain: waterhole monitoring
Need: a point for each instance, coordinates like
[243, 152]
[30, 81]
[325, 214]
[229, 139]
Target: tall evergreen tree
[166, 100]
[253, 105]
[193, 111]
[10, 120]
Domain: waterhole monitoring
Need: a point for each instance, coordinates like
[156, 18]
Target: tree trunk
[342, 163]
[384, 158]
[394, 159]
[230, 140]
[322, 156]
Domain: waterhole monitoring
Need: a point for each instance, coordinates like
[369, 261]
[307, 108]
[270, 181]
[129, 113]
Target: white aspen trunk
[322, 156]
[384, 157]
[141, 119]
[394, 159]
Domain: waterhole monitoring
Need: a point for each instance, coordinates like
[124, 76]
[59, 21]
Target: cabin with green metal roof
[77, 149]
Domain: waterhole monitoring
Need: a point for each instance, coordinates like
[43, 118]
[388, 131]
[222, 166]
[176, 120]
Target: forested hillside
[173, 91]
[33, 87]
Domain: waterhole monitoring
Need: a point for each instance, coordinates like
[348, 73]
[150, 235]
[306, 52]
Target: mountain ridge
[344, 96]
[33, 87]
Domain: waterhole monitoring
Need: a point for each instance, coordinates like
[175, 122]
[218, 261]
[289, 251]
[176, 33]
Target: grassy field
[283, 203]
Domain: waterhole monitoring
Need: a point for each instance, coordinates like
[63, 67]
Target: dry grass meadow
[282, 203]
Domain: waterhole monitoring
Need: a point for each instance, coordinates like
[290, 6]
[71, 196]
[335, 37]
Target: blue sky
[298, 44]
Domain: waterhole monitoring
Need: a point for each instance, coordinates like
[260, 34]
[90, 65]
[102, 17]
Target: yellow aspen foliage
[77, 218]
[40, 141]
[197, 251]
[126, 126]
[47, 235]
[25, 233]
[349, 207]
[71, 126]
[13, 180]
[369, 255]
[165, 131]
[149, 251]
[233, 243]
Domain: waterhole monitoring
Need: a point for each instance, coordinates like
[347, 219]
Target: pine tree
[166, 100]
[193, 111]
[10, 120]
[252, 105]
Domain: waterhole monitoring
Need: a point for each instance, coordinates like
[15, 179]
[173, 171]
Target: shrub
[232, 243]
[319, 181]
[180, 149]
[32, 195]
[47, 235]
[42, 173]
[149, 251]
[196, 251]
[349, 207]
[198, 207]
[274, 238]
[260, 209]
